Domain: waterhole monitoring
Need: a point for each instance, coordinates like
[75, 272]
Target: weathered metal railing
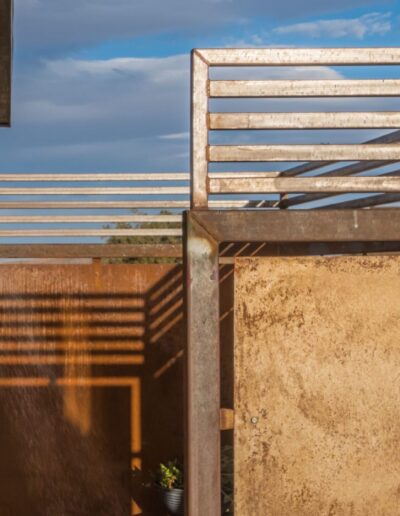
[157, 194]
[94, 208]
[142, 210]
[372, 155]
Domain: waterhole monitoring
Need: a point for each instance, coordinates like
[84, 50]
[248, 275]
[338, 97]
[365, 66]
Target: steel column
[203, 489]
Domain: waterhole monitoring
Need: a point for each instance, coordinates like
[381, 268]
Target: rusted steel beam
[203, 484]
[302, 225]
[315, 249]
[5, 61]
[90, 251]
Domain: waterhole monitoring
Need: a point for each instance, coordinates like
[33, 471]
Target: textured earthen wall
[317, 384]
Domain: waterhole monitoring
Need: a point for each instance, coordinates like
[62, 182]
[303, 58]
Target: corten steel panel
[90, 385]
[5, 60]
[317, 417]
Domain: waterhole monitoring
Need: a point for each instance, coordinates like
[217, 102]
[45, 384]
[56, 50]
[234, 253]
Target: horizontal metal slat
[90, 205]
[33, 219]
[176, 176]
[309, 88]
[300, 56]
[356, 152]
[153, 190]
[17, 233]
[306, 184]
[366, 120]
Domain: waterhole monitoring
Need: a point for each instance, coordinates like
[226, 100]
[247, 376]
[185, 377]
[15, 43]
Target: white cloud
[123, 114]
[367, 25]
[158, 70]
[175, 136]
[71, 114]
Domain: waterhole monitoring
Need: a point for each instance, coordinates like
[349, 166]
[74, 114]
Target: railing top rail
[299, 56]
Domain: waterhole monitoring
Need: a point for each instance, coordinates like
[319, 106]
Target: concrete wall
[91, 385]
[317, 361]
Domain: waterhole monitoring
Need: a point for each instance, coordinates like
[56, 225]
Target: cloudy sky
[103, 85]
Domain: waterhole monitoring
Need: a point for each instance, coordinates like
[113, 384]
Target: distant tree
[145, 240]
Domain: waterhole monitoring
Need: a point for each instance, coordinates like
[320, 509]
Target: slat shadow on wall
[90, 386]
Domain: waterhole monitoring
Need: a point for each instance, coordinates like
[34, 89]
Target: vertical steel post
[203, 484]
[199, 131]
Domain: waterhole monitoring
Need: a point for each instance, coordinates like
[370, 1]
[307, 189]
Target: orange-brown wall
[90, 386]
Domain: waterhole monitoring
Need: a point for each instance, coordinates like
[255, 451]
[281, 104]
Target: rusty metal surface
[202, 372]
[316, 386]
[302, 225]
[5, 60]
[45, 251]
[90, 386]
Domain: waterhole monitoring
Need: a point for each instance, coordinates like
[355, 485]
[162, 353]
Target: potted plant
[169, 481]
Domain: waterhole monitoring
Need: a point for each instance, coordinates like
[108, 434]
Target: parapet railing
[43, 197]
[96, 208]
[359, 158]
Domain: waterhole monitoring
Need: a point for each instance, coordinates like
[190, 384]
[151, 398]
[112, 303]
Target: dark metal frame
[6, 14]
[285, 232]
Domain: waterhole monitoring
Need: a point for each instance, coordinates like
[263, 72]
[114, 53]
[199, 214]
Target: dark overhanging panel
[5, 61]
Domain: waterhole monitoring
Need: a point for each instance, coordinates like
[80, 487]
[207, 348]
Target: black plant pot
[172, 500]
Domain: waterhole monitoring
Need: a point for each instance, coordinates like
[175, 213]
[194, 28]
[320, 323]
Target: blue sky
[103, 85]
